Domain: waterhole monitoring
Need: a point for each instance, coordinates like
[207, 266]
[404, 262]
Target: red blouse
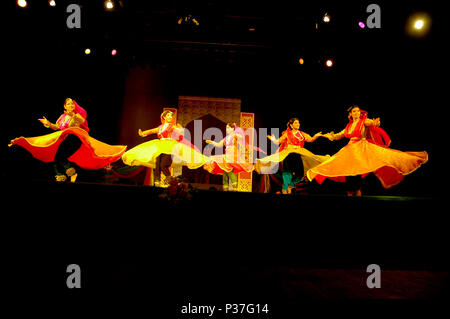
[296, 139]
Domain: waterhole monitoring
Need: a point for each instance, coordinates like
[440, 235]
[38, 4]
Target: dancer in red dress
[367, 152]
[295, 160]
[70, 143]
[233, 161]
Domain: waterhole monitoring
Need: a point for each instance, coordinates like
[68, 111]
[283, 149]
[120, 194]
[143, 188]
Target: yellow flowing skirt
[269, 164]
[146, 153]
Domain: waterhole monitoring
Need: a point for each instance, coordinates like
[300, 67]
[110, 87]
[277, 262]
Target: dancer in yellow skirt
[292, 143]
[170, 149]
[367, 152]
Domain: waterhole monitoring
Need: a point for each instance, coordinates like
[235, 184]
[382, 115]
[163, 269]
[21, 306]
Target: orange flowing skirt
[362, 157]
[92, 153]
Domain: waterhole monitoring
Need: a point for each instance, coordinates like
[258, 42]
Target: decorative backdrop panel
[193, 107]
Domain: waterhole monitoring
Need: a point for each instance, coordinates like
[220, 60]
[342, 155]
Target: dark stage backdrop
[145, 96]
[393, 77]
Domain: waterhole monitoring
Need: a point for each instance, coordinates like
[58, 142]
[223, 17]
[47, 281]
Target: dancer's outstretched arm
[148, 132]
[47, 124]
[374, 122]
[216, 144]
[334, 137]
[277, 141]
[310, 139]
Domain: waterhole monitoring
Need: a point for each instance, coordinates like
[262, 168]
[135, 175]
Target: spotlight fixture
[361, 25]
[326, 18]
[22, 3]
[113, 52]
[87, 51]
[301, 61]
[51, 3]
[109, 5]
[329, 63]
[418, 25]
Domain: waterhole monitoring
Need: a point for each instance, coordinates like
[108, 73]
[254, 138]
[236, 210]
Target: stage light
[418, 25]
[361, 25]
[87, 51]
[326, 18]
[52, 3]
[301, 61]
[22, 3]
[113, 52]
[329, 63]
[109, 5]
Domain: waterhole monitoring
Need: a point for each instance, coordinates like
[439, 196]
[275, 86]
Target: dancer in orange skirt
[233, 161]
[70, 143]
[367, 152]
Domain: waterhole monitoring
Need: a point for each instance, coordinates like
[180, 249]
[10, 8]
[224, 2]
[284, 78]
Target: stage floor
[309, 229]
[212, 247]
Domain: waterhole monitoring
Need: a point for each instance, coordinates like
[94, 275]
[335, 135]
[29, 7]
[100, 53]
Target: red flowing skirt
[231, 161]
[218, 167]
[92, 153]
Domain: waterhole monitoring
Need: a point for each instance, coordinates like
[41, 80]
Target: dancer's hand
[44, 121]
[215, 144]
[318, 134]
[178, 130]
[329, 136]
[76, 121]
[376, 122]
[141, 134]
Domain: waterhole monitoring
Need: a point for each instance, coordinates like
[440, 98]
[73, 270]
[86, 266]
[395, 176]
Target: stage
[143, 247]
[151, 252]
[397, 230]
